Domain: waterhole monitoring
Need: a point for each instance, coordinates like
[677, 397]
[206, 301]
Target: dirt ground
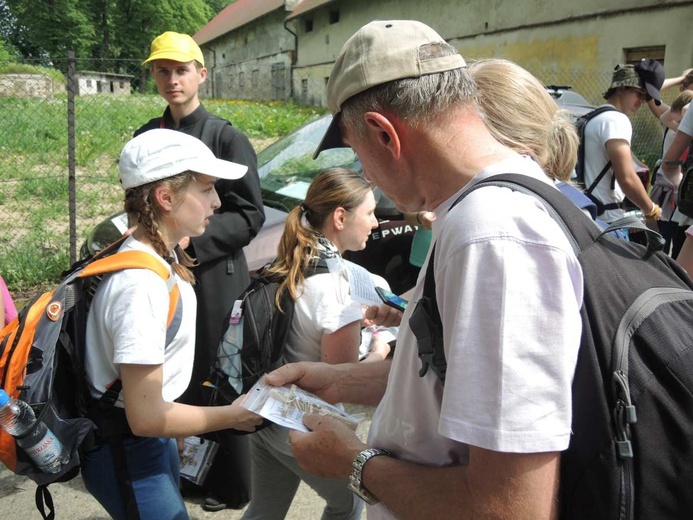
[73, 502]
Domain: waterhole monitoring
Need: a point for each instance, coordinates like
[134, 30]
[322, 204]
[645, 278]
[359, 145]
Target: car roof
[569, 100]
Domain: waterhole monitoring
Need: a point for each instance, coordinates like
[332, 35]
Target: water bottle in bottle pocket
[34, 437]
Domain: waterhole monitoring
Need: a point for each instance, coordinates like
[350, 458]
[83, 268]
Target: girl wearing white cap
[168, 178]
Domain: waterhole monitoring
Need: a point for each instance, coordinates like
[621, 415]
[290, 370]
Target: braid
[144, 214]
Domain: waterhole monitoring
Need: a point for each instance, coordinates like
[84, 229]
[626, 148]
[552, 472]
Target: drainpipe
[294, 58]
[211, 70]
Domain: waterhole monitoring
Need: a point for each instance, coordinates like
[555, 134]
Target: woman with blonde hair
[522, 115]
[336, 216]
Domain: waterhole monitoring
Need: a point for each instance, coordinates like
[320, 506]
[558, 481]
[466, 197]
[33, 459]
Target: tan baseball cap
[175, 46]
[380, 52]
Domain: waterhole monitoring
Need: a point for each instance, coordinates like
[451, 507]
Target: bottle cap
[4, 398]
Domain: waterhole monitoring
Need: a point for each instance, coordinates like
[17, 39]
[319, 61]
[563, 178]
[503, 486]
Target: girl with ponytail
[336, 216]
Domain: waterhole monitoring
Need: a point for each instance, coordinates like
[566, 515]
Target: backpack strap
[136, 260]
[587, 118]
[599, 177]
[43, 500]
[581, 231]
[427, 326]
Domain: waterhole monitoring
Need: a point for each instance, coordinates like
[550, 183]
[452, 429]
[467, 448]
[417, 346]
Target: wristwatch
[356, 477]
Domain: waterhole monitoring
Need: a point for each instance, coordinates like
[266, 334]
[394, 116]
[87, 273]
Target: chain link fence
[62, 134]
[64, 128]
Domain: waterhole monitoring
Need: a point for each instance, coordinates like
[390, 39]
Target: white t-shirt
[609, 125]
[509, 289]
[323, 307]
[686, 124]
[127, 324]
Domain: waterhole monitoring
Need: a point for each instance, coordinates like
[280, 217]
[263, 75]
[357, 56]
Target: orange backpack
[42, 357]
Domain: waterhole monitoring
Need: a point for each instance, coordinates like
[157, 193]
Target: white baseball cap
[161, 153]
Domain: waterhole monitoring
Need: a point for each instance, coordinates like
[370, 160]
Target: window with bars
[634, 55]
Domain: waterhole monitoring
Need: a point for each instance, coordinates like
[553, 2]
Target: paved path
[73, 502]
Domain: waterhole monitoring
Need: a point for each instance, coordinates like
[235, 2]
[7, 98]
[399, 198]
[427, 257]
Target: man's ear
[203, 75]
[383, 130]
[163, 197]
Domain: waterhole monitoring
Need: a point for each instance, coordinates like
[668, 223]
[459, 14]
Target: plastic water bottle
[40, 443]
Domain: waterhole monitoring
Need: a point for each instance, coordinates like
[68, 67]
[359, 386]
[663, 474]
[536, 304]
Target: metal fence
[62, 134]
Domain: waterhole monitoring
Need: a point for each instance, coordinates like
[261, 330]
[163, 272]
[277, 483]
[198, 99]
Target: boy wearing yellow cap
[178, 68]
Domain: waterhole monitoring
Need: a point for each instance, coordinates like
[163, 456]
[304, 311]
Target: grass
[34, 187]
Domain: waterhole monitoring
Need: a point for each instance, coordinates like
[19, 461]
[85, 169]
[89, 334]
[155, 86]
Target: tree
[54, 26]
[138, 22]
[101, 30]
[217, 6]
[15, 36]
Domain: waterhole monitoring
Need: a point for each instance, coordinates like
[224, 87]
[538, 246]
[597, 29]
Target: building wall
[26, 85]
[252, 62]
[583, 38]
[101, 84]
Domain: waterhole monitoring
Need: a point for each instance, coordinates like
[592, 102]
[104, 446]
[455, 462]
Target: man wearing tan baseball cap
[176, 63]
[487, 442]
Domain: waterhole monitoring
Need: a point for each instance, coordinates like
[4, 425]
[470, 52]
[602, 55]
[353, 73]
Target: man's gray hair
[417, 100]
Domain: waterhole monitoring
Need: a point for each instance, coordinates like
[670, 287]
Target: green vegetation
[7, 67]
[34, 188]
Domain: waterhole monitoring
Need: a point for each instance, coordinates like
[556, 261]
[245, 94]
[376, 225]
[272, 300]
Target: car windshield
[287, 167]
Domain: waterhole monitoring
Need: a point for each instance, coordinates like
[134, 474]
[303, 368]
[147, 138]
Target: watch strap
[356, 477]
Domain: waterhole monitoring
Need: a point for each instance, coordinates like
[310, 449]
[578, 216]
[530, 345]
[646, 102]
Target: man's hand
[328, 450]
[358, 383]
[382, 315]
[317, 378]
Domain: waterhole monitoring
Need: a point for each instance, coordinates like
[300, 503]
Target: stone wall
[27, 85]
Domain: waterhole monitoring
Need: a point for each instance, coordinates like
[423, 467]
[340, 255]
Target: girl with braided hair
[168, 178]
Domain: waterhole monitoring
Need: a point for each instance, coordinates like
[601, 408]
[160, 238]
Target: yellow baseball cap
[175, 46]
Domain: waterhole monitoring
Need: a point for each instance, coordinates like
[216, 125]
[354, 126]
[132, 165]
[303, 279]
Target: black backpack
[631, 449]
[684, 199]
[263, 330]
